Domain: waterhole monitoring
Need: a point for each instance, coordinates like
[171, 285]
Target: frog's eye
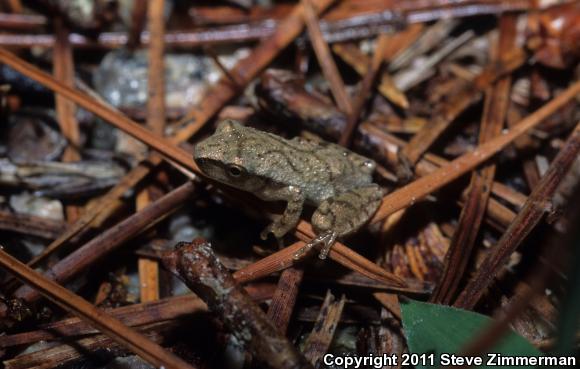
[235, 170]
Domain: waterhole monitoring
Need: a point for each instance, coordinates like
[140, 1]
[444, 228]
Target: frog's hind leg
[342, 215]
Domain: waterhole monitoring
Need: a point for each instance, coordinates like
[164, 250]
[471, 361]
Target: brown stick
[249, 68]
[15, 6]
[365, 89]
[138, 17]
[353, 56]
[149, 269]
[538, 204]
[325, 59]
[132, 315]
[31, 225]
[84, 349]
[284, 259]
[197, 265]
[423, 186]
[163, 146]
[284, 299]
[82, 258]
[422, 141]
[170, 308]
[554, 251]
[351, 259]
[318, 341]
[63, 70]
[104, 207]
[122, 334]
[156, 68]
[494, 113]
[21, 22]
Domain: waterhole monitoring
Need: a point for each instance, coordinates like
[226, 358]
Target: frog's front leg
[342, 215]
[288, 220]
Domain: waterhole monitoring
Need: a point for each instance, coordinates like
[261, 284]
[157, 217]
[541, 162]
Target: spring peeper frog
[335, 180]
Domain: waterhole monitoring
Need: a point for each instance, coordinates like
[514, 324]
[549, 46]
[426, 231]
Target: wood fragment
[31, 225]
[360, 62]
[414, 11]
[81, 349]
[156, 116]
[422, 141]
[79, 260]
[365, 89]
[325, 59]
[156, 69]
[424, 12]
[284, 299]
[249, 68]
[423, 186]
[409, 78]
[95, 213]
[15, 6]
[390, 302]
[554, 251]
[197, 265]
[138, 17]
[537, 205]
[423, 41]
[318, 341]
[63, 70]
[122, 334]
[163, 146]
[334, 31]
[22, 21]
[170, 308]
[495, 109]
[148, 279]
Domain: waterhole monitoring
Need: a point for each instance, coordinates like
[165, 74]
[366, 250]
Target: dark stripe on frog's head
[222, 156]
[227, 125]
[218, 146]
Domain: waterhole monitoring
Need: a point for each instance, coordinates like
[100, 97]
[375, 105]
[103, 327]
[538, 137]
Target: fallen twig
[537, 205]
[197, 265]
[122, 334]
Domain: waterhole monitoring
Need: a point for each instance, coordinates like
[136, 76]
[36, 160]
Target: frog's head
[219, 156]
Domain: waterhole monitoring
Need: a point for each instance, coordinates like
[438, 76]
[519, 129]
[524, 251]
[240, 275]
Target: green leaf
[439, 329]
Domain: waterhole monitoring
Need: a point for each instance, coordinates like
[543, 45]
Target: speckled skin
[336, 180]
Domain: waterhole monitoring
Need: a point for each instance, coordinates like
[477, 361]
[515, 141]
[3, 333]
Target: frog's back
[321, 170]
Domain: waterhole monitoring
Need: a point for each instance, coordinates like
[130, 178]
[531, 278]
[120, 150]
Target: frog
[336, 181]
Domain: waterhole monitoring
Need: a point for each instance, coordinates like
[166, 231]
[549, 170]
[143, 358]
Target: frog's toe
[264, 234]
[327, 239]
